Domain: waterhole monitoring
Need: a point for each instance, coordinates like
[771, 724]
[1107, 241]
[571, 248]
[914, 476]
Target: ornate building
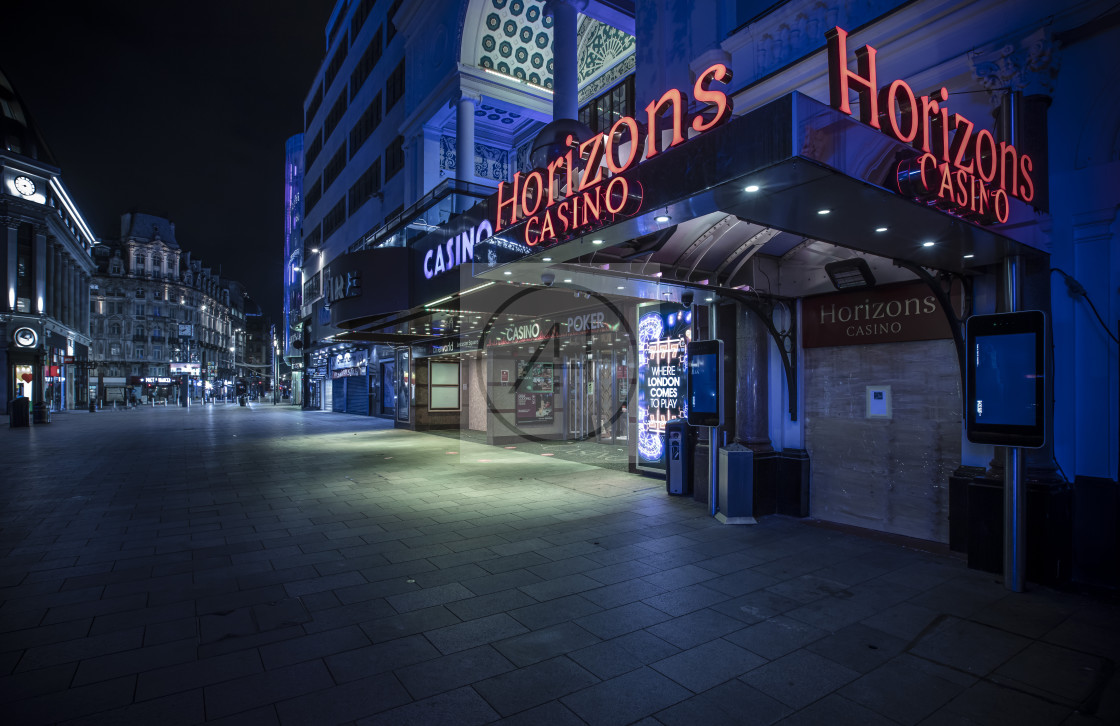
[45, 264]
[161, 319]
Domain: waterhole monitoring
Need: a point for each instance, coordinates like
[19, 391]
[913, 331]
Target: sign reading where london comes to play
[957, 170]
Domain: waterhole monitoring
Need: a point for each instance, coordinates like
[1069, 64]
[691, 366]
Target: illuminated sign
[663, 335]
[344, 285]
[583, 190]
[534, 330]
[455, 251]
[189, 368]
[25, 338]
[957, 170]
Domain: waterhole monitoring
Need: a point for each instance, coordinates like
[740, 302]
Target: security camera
[548, 278]
[686, 298]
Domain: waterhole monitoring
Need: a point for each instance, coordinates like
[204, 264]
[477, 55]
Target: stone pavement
[265, 565]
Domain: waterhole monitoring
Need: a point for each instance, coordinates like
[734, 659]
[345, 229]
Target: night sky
[174, 108]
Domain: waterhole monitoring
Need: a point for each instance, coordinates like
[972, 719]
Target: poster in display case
[534, 400]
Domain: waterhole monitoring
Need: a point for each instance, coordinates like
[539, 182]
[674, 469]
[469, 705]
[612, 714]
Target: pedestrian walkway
[260, 565]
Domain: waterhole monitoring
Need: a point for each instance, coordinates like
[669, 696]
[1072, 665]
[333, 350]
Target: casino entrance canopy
[794, 180]
[775, 180]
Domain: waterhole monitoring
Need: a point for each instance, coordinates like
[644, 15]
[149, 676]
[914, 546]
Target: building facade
[290, 341]
[830, 190]
[46, 267]
[165, 327]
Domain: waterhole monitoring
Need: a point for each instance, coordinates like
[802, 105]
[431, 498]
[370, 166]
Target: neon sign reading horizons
[957, 169]
[583, 189]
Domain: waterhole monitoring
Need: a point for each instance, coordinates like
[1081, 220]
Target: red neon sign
[583, 190]
[957, 169]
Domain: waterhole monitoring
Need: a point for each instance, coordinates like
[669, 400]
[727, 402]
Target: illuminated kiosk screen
[1006, 383]
[663, 335]
[705, 374]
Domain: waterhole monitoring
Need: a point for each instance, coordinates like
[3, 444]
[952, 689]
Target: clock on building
[24, 186]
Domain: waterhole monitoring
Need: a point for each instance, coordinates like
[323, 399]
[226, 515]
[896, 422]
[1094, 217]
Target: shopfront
[834, 250]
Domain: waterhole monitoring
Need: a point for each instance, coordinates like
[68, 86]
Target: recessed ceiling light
[662, 218]
[927, 244]
[752, 188]
[547, 259]
[567, 279]
[880, 229]
[969, 257]
[596, 241]
[507, 272]
[823, 211]
[709, 299]
[621, 287]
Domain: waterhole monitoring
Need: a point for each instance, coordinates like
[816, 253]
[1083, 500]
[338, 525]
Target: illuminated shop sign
[537, 330]
[583, 190]
[344, 285]
[885, 314]
[959, 169]
[663, 335]
[448, 255]
[348, 363]
[189, 368]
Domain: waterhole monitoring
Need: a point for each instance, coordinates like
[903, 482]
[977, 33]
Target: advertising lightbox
[663, 336]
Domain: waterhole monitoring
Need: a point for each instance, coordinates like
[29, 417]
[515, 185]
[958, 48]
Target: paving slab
[282, 566]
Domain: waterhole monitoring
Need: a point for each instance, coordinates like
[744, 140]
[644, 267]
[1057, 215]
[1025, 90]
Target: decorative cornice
[1029, 65]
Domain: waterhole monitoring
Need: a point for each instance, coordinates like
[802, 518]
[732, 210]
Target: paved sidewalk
[259, 565]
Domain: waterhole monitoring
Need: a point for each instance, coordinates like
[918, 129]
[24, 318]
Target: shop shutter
[357, 395]
[338, 395]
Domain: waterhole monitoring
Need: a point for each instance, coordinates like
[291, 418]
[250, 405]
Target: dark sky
[174, 108]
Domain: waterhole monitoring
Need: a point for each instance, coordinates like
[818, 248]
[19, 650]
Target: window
[155, 310]
[115, 329]
[139, 331]
[139, 308]
[334, 218]
[360, 16]
[394, 158]
[604, 110]
[312, 196]
[157, 332]
[335, 114]
[365, 126]
[311, 287]
[336, 63]
[157, 353]
[311, 241]
[394, 86]
[392, 31]
[140, 293]
[334, 166]
[313, 105]
[443, 386]
[366, 63]
[367, 184]
[139, 351]
[115, 348]
[313, 149]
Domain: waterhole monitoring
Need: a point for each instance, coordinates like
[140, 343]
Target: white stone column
[464, 137]
[565, 73]
[39, 249]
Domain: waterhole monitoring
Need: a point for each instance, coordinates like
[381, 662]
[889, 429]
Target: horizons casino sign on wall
[886, 314]
[959, 169]
[584, 189]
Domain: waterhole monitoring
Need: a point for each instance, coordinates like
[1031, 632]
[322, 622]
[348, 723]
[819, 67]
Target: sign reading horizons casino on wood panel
[887, 314]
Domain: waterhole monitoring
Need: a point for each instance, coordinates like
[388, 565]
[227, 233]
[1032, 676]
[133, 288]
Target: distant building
[291, 331]
[45, 265]
[159, 317]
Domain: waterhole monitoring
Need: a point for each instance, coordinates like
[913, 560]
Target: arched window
[140, 330]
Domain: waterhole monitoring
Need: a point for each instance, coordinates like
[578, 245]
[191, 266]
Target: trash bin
[241, 400]
[21, 412]
[41, 414]
[678, 457]
[92, 407]
[736, 485]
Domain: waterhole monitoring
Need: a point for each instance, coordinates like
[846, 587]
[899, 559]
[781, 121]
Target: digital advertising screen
[705, 375]
[664, 330]
[1005, 382]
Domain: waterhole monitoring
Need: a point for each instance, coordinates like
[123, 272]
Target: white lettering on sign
[590, 321]
[455, 251]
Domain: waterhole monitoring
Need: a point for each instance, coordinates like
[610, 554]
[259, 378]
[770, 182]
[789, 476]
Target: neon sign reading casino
[591, 195]
[957, 169]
